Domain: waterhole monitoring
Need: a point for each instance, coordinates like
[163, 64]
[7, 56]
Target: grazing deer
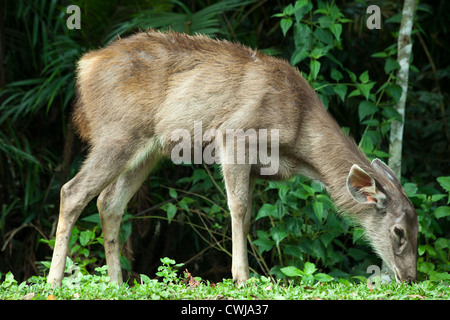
[133, 94]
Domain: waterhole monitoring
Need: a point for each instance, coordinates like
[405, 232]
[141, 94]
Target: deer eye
[399, 232]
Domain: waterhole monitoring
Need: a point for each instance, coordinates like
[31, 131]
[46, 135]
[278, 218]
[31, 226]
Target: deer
[134, 93]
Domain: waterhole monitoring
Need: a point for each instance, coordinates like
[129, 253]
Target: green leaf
[394, 91]
[75, 249]
[324, 36]
[299, 56]
[410, 189]
[336, 29]
[364, 77]
[371, 122]
[310, 191]
[427, 248]
[358, 234]
[301, 8]
[322, 277]
[263, 242]
[340, 90]
[354, 93]
[442, 212]
[365, 88]
[46, 264]
[390, 65]
[309, 268]
[366, 143]
[95, 218]
[85, 236]
[145, 279]
[425, 267]
[318, 209]
[357, 254]
[289, 10]
[351, 75]
[302, 36]
[315, 67]
[442, 243]
[390, 113]
[285, 25]
[170, 209]
[437, 197]
[278, 233]
[318, 52]
[397, 18]
[444, 182]
[267, 210]
[293, 250]
[125, 263]
[366, 108]
[325, 22]
[379, 55]
[327, 237]
[292, 271]
[173, 193]
[336, 75]
[199, 174]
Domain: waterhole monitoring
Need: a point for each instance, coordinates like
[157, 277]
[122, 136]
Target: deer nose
[411, 281]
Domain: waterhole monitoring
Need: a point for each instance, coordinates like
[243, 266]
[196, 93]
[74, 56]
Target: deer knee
[238, 208]
[72, 200]
[109, 204]
[103, 202]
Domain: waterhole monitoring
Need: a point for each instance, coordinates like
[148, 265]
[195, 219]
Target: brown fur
[134, 93]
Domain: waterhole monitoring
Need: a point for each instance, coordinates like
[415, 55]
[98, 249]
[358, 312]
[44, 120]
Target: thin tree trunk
[404, 48]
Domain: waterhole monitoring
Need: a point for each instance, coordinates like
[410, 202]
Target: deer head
[390, 220]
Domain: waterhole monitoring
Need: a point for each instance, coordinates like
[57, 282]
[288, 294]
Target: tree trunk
[404, 47]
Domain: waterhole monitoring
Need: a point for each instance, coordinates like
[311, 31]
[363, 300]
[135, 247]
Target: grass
[170, 286]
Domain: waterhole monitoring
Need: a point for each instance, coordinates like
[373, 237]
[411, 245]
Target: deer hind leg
[248, 214]
[237, 183]
[102, 166]
[111, 205]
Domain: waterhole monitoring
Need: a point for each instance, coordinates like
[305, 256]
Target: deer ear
[381, 167]
[362, 187]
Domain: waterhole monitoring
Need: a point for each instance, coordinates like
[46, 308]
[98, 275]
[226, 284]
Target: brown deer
[133, 94]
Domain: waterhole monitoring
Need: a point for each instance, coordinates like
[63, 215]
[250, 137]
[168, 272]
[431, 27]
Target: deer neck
[330, 153]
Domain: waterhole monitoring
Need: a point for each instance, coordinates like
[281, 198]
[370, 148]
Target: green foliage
[317, 38]
[80, 249]
[307, 274]
[205, 21]
[97, 286]
[434, 244]
[167, 272]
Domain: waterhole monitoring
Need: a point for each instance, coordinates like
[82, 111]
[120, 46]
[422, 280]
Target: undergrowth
[171, 284]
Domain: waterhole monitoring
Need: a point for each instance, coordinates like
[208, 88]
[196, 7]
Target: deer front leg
[237, 178]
